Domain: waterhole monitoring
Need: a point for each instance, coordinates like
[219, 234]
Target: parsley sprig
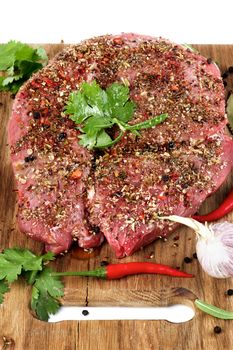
[47, 288]
[17, 63]
[96, 110]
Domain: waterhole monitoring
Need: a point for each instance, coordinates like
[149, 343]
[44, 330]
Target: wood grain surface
[19, 330]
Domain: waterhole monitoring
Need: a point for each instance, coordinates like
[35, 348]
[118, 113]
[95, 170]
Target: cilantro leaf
[14, 260]
[4, 288]
[230, 110]
[103, 139]
[95, 110]
[9, 270]
[47, 288]
[190, 47]
[18, 61]
[88, 141]
[78, 108]
[96, 97]
[118, 104]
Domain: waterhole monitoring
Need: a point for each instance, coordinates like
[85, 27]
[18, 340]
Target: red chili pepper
[115, 271]
[225, 208]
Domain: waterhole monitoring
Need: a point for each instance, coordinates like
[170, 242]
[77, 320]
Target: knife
[177, 313]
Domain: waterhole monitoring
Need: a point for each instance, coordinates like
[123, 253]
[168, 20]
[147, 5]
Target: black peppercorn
[217, 329]
[209, 60]
[62, 136]
[165, 178]
[104, 263]
[36, 115]
[29, 158]
[85, 312]
[229, 292]
[95, 229]
[230, 69]
[187, 260]
[225, 74]
[171, 145]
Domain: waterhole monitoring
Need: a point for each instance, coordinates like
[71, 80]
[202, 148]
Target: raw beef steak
[67, 192]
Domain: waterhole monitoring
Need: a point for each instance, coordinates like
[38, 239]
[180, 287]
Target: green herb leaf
[95, 111]
[230, 111]
[118, 104]
[103, 139]
[18, 61]
[4, 288]
[47, 288]
[9, 270]
[213, 310]
[190, 47]
[14, 260]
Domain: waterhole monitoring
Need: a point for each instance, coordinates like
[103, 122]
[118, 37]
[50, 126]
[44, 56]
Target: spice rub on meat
[67, 192]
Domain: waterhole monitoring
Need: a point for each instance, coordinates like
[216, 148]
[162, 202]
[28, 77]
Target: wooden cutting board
[19, 330]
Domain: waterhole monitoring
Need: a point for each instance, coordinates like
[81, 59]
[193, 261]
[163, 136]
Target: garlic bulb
[214, 246]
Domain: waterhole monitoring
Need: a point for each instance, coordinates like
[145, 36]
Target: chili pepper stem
[99, 273]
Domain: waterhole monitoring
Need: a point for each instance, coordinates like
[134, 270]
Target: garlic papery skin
[214, 255]
[214, 246]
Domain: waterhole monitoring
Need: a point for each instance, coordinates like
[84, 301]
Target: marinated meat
[67, 192]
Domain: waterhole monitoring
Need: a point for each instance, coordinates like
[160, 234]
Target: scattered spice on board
[217, 329]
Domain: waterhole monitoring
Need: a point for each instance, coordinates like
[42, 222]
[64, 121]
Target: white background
[182, 21]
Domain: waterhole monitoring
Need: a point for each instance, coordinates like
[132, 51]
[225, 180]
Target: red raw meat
[67, 192]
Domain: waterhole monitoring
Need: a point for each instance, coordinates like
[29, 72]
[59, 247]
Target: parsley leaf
[230, 111]
[14, 260]
[47, 288]
[4, 288]
[118, 103]
[190, 47]
[95, 110]
[9, 270]
[19, 61]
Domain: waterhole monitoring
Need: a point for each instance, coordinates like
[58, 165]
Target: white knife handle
[175, 313]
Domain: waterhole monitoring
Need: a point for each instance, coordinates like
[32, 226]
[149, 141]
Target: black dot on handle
[85, 312]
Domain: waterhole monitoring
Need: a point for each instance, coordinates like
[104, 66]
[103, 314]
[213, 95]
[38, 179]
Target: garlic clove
[214, 246]
[213, 257]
